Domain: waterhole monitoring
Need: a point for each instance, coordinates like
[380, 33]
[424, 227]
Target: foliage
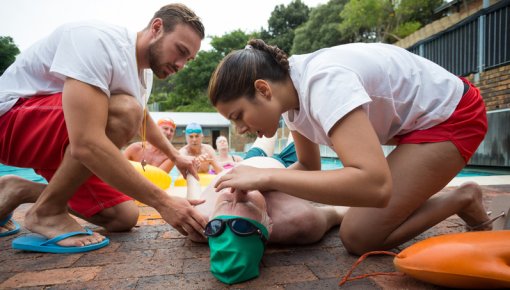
[321, 29]
[8, 52]
[283, 22]
[236, 39]
[385, 20]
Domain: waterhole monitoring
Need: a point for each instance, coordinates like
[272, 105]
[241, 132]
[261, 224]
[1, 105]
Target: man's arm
[86, 114]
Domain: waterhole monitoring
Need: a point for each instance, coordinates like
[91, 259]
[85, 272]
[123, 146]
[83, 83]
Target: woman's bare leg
[419, 171]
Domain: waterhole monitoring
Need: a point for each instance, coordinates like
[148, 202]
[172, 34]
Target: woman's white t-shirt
[95, 53]
[400, 91]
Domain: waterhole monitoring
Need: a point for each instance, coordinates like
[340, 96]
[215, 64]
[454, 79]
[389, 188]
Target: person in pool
[203, 153]
[354, 98]
[225, 159]
[241, 223]
[152, 155]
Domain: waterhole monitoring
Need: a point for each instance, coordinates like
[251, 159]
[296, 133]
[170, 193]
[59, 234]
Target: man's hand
[180, 214]
[187, 165]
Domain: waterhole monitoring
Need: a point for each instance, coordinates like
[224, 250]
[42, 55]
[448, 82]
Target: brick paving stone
[133, 236]
[196, 265]
[136, 269]
[297, 257]
[151, 244]
[51, 277]
[402, 282]
[99, 259]
[282, 275]
[190, 281]
[43, 262]
[162, 282]
[333, 284]
[111, 284]
[182, 253]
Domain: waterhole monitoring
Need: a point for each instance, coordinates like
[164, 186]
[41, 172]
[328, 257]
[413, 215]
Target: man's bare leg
[15, 191]
[296, 221]
[49, 216]
[265, 144]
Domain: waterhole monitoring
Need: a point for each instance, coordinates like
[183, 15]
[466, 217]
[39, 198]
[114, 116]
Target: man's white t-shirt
[95, 53]
[400, 91]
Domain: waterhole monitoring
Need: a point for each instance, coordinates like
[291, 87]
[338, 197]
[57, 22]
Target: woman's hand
[244, 178]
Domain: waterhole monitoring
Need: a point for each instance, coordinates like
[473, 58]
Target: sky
[26, 21]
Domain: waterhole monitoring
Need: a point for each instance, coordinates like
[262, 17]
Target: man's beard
[154, 52]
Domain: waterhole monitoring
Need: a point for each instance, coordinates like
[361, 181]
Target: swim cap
[236, 259]
[193, 128]
[166, 121]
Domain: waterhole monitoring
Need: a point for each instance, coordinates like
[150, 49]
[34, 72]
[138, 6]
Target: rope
[363, 257]
[144, 137]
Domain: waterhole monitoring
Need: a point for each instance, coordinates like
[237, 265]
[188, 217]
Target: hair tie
[248, 47]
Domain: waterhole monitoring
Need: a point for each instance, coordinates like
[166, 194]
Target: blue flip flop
[11, 232]
[38, 243]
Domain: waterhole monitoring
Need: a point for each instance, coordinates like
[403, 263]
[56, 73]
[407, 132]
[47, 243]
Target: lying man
[240, 224]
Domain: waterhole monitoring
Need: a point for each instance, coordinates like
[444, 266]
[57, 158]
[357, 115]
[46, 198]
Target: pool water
[333, 163]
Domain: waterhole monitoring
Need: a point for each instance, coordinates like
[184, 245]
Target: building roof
[184, 118]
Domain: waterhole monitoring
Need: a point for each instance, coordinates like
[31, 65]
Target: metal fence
[477, 43]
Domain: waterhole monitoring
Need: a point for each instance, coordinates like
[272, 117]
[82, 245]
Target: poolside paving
[155, 256]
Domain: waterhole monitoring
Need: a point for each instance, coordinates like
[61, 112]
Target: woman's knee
[357, 241]
[125, 116]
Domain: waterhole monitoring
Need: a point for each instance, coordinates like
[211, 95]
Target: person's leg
[419, 171]
[49, 215]
[14, 191]
[296, 221]
[108, 207]
[265, 144]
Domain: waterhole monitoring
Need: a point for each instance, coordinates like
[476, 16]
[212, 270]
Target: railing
[479, 42]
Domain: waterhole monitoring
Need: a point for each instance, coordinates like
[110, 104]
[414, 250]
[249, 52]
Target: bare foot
[15, 191]
[474, 214]
[50, 226]
[7, 227]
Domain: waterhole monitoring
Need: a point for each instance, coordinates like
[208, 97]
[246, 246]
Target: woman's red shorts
[466, 127]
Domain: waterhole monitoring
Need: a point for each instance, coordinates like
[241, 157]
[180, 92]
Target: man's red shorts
[33, 134]
[466, 127]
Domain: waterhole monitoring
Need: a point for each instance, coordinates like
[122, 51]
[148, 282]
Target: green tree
[236, 39]
[8, 52]
[282, 23]
[321, 30]
[385, 20]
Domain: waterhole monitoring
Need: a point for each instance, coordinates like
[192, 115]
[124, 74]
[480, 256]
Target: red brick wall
[494, 85]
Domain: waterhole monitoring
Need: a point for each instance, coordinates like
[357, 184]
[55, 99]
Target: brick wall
[494, 85]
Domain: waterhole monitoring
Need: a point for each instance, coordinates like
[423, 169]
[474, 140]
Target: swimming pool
[333, 163]
[327, 164]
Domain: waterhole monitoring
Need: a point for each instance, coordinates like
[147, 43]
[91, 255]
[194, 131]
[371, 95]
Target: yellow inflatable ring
[464, 260]
[205, 180]
[154, 174]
